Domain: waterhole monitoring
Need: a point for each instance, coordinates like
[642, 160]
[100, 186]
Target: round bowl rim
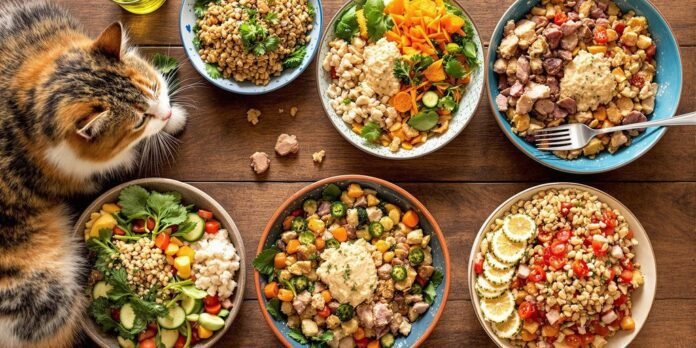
[224, 218]
[514, 138]
[616, 204]
[355, 177]
[244, 91]
[328, 111]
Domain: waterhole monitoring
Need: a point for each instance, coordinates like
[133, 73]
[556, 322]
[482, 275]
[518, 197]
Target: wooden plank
[461, 209]
[218, 128]
[162, 27]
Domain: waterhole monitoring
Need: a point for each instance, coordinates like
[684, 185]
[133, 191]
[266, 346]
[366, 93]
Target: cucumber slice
[197, 232]
[430, 99]
[127, 316]
[223, 313]
[505, 249]
[191, 305]
[495, 263]
[100, 289]
[519, 227]
[211, 322]
[484, 284]
[124, 342]
[173, 319]
[193, 317]
[509, 328]
[498, 309]
[169, 337]
[497, 276]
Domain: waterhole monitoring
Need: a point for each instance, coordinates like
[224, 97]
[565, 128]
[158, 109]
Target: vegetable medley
[350, 269]
[152, 283]
[399, 71]
[558, 270]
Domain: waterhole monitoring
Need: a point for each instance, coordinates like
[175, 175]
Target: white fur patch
[178, 120]
[68, 162]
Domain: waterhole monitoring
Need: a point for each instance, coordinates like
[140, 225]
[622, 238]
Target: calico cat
[72, 110]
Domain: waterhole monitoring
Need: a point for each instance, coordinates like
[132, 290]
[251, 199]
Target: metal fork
[576, 135]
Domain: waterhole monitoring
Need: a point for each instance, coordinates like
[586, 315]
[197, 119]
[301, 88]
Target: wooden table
[460, 184]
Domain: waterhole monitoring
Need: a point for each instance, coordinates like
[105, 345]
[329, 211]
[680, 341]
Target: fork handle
[688, 119]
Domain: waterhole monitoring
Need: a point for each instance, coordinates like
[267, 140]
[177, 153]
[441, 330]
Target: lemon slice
[487, 293]
[495, 263]
[498, 309]
[505, 249]
[483, 284]
[497, 276]
[509, 327]
[519, 227]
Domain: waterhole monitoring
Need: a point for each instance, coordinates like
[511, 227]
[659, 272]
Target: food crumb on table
[253, 116]
[281, 110]
[318, 157]
[293, 111]
[287, 144]
[260, 162]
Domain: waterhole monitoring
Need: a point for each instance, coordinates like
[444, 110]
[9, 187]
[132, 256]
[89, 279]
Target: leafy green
[453, 67]
[264, 261]
[188, 288]
[297, 336]
[466, 42]
[377, 21]
[437, 277]
[290, 286]
[103, 248]
[273, 308]
[147, 310]
[100, 311]
[447, 103]
[164, 208]
[420, 62]
[311, 11]
[371, 131]
[271, 17]
[255, 37]
[402, 71]
[133, 201]
[347, 26]
[295, 58]
[200, 7]
[164, 63]
[424, 120]
[316, 341]
[212, 70]
[429, 291]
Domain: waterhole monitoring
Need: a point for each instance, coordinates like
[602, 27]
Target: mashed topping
[588, 80]
[216, 262]
[350, 272]
[379, 59]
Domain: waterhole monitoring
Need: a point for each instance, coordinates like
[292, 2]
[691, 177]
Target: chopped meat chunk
[543, 107]
[502, 102]
[508, 46]
[617, 140]
[568, 104]
[570, 27]
[558, 112]
[287, 144]
[570, 42]
[565, 55]
[318, 157]
[259, 162]
[537, 91]
[499, 66]
[634, 117]
[253, 116]
[525, 32]
[553, 35]
[516, 89]
[552, 66]
[524, 104]
[382, 314]
[522, 73]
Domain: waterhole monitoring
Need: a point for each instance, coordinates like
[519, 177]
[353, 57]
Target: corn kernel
[597, 49]
[643, 42]
[388, 256]
[316, 225]
[111, 208]
[382, 246]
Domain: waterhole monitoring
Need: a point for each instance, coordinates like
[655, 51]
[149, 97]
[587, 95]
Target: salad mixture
[349, 270]
[399, 70]
[163, 272]
[577, 62]
[252, 40]
[558, 270]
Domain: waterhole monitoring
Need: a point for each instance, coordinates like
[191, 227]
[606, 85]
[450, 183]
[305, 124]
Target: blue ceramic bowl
[388, 192]
[187, 21]
[668, 77]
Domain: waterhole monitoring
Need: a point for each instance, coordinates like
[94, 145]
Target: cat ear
[90, 129]
[111, 41]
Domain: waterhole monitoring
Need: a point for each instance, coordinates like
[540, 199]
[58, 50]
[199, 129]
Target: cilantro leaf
[271, 17]
[133, 202]
[325, 337]
[429, 293]
[298, 336]
[213, 71]
[437, 278]
[100, 311]
[273, 308]
[454, 68]
[264, 261]
[200, 7]
[377, 22]
[164, 63]
[295, 58]
[371, 132]
[147, 310]
[347, 26]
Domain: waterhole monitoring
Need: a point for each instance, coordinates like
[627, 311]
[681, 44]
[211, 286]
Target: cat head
[104, 100]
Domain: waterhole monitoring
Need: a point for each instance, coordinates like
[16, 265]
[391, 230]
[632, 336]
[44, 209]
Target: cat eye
[141, 121]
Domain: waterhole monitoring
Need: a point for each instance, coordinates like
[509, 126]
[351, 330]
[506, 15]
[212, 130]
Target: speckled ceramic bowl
[191, 195]
[642, 298]
[187, 21]
[668, 76]
[467, 107]
[424, 326]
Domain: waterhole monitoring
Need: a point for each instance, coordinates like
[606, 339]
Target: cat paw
[177, 122]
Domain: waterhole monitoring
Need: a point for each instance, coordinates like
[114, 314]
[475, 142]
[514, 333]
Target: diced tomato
[556, 262]
[573, 341]
[629, 234]
[600, 36]
[148, 343]
[563, 235]
[422, 281]
[214, 310]
[560, 18]
[544, 236]
[118, 231]
[537, 274]
[211, 300]
[587, 339]
[297, 212]
[204, 214]
[180, 341]
[149, 333]
[598, 329]
[150, 224]
[139, 226]
[580, 268]
[325, 312]
[212, 227]
[334, 75]
[597, 248]
[547, 255]
[362, 343]
[619, 27]
[526, 310]
[626, 276]
[478, 265]
[116, 314]
[650, 51]
[621, 300]
[611, 275]
[637, 80]
[516, 283]
[162, 240]
[627, 264]
[565, 208]
[558, 248]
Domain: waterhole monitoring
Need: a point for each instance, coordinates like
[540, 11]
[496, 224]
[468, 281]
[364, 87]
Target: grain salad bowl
[190, 195]
[642, 298]
[187, 26]
[468, 104]
[388, 192]
[668, 76]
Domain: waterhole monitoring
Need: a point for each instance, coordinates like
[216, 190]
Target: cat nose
[167, 116]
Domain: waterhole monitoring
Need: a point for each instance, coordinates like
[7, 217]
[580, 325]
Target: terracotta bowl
[424, 326]
[191, 195]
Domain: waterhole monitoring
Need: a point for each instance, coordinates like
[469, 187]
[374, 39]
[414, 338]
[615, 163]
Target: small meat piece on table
[287, 144]
[260, 162]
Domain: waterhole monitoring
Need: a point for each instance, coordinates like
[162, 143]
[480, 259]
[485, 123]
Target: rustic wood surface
[460, 184]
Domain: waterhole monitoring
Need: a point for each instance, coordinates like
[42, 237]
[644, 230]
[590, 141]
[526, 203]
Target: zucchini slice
[509, 327]
[197, 232]
[505, 249]
[169, 337]
[191, 305]
[173, 319]
[100, 289]
[127, 316]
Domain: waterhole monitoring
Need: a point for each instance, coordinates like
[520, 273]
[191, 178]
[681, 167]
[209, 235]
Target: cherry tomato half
[118, 231]
[573, 341]
[204, 214]
[547, 255]
[560, 18]
[139, 226]
[211, 300]
[556, 262]
[580, 268]
[148, 343]
[162, 240]
[621, 300]
[212, 226]
[180, 341]
[544, 236]
[214, 310]
[537, 274]
[626, 276]
[597, 248]
[558, 248]
[629, 234]
[598, 329]
[619, 27]
[563, 235]
[325, 312]
[565, 208]
[478, 265]
[600, 36]
[587, 339]
[526, 310]
[150, 224]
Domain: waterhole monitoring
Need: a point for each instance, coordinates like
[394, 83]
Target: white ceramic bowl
[642, 298]
[467, 106]
[191, 195]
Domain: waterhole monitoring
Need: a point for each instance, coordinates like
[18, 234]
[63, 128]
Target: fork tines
[552, 139]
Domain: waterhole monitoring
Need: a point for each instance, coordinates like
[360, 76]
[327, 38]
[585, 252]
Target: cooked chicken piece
[382, 314]
[537, 91]
[502, 102]
[524, 30]
[499, 66]
[524, 104]
[287, 144]
[522, 72]
[508, 46]
[260, 162]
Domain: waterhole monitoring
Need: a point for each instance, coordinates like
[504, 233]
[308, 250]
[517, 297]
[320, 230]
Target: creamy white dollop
[379, 59]
[588, 80]
[350, 272]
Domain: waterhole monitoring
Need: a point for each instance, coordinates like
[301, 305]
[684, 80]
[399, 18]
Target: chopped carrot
[341, 234]
[452, 23]
[320, 243]
[285, 295]
[326, 294]
[373, 344]
[279, 260]
[392, 36]
[398, 19]
[271, 290]
[396, 7]
[287, 222]
[410, 219]
[359, 334]
[401, 102]
[435, 72]
[292, 246]
[414, 105]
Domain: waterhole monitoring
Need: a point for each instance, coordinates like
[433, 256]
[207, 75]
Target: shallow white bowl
[642, 298]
